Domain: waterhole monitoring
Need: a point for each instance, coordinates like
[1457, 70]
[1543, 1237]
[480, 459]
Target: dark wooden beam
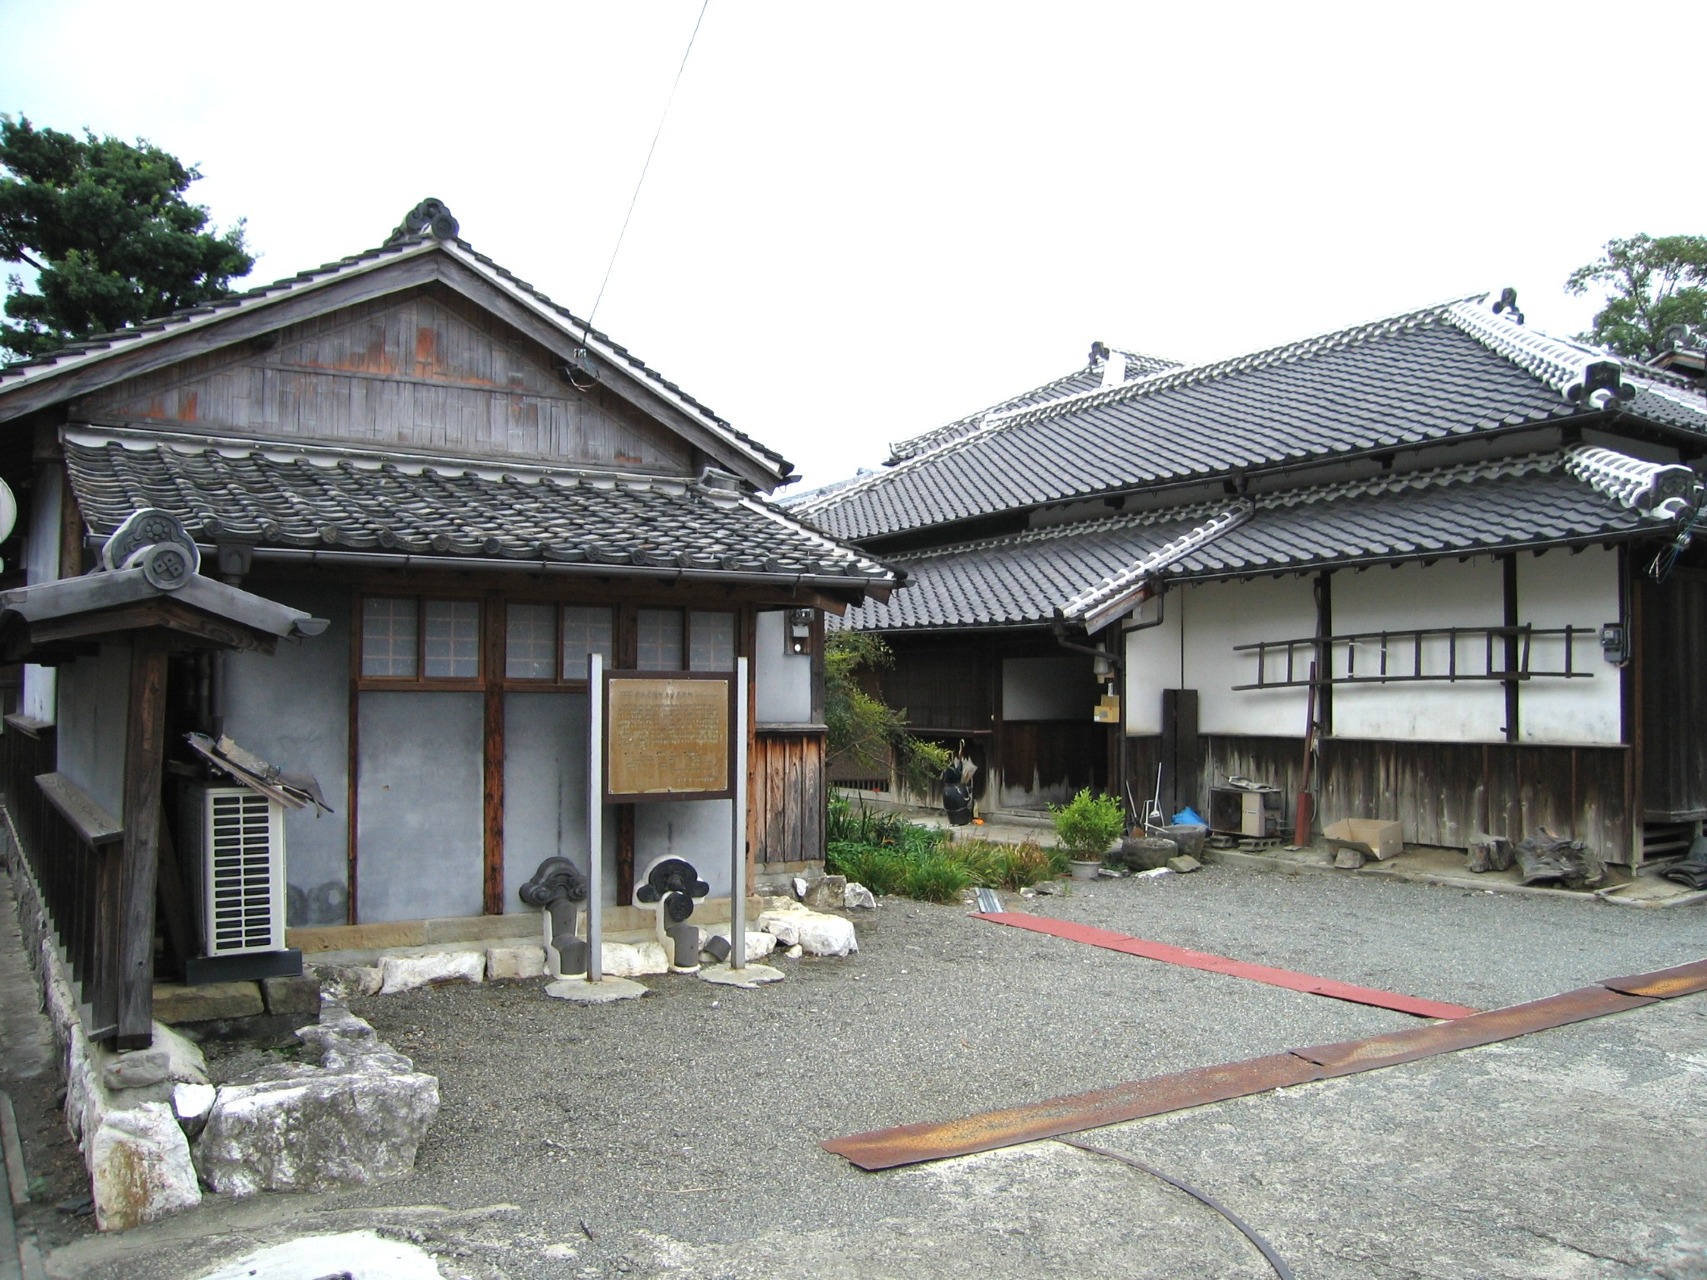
[144, 766]
[492, 647]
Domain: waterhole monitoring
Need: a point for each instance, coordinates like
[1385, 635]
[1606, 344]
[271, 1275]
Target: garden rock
[856, 897]
[358, 1119]
[191, 1104]
[759, 944]
[405, 973]
[815, 933]
[139, 1167]
[826, 892]
[1185, 863]
[313, 1133]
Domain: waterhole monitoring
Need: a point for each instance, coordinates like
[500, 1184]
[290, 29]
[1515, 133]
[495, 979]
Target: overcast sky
[864, 220]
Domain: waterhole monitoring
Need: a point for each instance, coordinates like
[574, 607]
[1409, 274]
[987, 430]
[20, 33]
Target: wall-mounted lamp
[798, 637]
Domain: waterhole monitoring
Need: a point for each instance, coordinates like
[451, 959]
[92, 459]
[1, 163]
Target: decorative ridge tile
[1095, 600]
[1564, 366]
[1657, 488]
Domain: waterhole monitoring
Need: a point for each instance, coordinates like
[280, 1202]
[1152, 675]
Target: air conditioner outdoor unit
[234, 838]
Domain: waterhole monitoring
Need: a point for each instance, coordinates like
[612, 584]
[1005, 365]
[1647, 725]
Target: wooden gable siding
[427, 370]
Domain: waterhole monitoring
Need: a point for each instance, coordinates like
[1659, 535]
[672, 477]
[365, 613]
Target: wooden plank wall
[1440, 792]
[430, 371]
[1673, 683]
[1040, 754]
[788, 796]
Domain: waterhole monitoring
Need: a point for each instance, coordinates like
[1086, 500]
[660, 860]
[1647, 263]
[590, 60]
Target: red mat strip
[1128, 945]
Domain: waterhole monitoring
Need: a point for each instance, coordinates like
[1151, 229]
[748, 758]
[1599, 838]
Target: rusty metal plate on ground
[1663, 984]
[912, 1143]
[1167, 953]
[1352, 1056]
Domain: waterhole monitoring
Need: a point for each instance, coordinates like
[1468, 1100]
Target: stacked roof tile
[1412, 380]
[1073, 570]
[283, 496]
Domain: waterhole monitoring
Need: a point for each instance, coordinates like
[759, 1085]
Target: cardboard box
[1369, 836]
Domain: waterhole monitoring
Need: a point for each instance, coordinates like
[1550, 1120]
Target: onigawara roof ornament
[431, 217]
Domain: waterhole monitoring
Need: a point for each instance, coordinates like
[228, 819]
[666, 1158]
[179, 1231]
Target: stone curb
[1287, 866]
[19, 1255]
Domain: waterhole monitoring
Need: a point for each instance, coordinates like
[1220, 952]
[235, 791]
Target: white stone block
[191, 1103]
[315, 1132]
[405, 973]
[621, 960]
[814, 932]
[139, 1167]
[509, 963]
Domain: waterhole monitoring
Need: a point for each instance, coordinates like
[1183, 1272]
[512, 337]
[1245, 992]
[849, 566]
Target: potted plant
[1085, 827]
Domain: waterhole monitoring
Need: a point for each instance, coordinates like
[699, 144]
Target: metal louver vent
[243, 872]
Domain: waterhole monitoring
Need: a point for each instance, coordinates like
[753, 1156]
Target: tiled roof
[308, 499]
[1078, 382]
[1406, 381]
[78, 355]
[1077, 570]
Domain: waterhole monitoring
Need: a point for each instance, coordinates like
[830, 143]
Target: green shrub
[935, 877]
[1086, 825]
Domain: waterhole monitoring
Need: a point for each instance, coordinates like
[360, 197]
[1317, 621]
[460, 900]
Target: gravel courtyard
[678, 1135]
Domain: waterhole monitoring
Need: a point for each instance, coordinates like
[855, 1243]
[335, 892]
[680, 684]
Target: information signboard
[668, 736]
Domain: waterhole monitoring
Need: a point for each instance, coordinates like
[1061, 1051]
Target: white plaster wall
[95, 706]
[1215, 617]
[782, 682]
[292, 708]
[1153, 663]
[696, 831]
[1051, 688]
[1412, 597]
[41, 564]
[1561, 589]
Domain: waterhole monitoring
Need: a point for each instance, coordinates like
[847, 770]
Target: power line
[643, 168]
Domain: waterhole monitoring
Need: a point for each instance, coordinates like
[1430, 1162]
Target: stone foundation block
[405, 973]
[506, 964]
[175, 1004]
[299, 996]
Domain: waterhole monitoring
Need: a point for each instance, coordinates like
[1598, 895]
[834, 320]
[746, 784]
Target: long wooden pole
[144, 767]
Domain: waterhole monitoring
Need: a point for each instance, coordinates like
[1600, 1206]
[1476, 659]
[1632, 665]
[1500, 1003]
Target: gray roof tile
[284, 496]
[1024, 579]
[1423, 377]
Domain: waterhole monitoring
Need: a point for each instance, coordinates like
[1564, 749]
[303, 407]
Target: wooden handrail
[88, 819]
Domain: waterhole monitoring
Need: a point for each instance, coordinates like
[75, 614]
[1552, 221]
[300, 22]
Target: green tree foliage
[1651, 283]
[106, 229]
[865, 729]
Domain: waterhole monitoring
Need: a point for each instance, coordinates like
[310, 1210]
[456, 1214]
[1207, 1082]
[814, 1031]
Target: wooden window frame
[420, 682]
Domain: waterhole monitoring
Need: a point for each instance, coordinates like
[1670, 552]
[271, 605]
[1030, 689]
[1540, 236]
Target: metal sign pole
[595, 816]
[738, 828]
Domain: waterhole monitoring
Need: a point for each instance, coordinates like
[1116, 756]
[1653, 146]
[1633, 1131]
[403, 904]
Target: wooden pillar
[144, 765]
[492, 897]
